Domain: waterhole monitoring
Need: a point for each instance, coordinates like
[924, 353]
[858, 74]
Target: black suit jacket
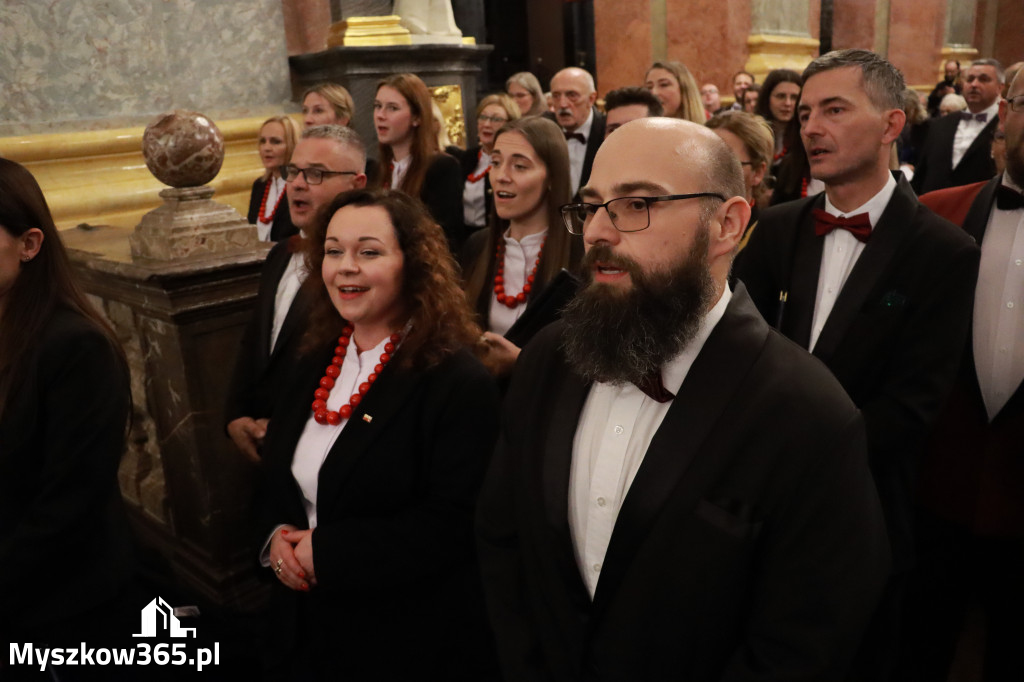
[594, 141]
[282, 227]
[894, 336]
[442, 194]
[750, 545]
[62, 435]
[973, 472]
[934, 168]
[259, 375]
[398, 594]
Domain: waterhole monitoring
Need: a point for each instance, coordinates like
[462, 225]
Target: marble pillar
[178, 290]
[959, 34]
[779, 36]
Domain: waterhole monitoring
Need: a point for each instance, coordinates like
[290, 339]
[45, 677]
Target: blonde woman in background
[525, 89]
[674, 86]
[327, 104]
[268, 206]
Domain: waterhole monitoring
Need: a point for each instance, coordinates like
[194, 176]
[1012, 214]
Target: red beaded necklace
[512, 300]
[476, 177]
[264, 217]
[320, 411]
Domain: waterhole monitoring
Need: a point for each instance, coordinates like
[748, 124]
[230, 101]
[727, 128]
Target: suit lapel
[701, 404]
[274, 269]
[389, 393]
[803, 283]
[873, 264]
[980, 144]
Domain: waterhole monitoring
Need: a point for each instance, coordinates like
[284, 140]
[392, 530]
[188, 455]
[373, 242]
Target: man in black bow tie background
[957, 150]
[573, 94]
[971, 522]
[886, 311]
[678, 491]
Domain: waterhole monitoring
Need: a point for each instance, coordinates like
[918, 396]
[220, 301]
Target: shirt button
[619, 429]
[1003, 349]
[840, 249]
[597, 568]
[1018, 261]
[831, 289]
[1009, 304]
[601, 502]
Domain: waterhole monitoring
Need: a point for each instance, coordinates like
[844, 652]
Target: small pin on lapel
[367, 418]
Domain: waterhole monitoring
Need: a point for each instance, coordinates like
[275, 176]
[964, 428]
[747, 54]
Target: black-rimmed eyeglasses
[314, 176]
[628, 214]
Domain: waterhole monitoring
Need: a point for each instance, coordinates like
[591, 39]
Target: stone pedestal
[359, 69]
[188, 491]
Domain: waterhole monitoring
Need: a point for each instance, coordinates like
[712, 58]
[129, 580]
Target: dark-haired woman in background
[492, 113]
[508, 265]
[410, 160]
[65, 552]
[372, 466]
[268, 205]
[776, 104]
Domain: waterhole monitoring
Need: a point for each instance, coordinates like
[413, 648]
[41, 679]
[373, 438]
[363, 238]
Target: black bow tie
[652, 386]
[576, 136]
[1008, 199]
[967, 116]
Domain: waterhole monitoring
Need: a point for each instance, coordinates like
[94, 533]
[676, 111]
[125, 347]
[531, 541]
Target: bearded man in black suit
[872, 283]
[678, 491]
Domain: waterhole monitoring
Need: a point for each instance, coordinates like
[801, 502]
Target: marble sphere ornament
[183, 148]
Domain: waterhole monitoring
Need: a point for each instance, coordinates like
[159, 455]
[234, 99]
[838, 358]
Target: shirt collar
[675, 371]
[1008, 182]
[584, 129]
[874, 206]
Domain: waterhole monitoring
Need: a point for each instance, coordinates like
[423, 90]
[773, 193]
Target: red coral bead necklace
[320, 412]
[512, 300]
[264, 217]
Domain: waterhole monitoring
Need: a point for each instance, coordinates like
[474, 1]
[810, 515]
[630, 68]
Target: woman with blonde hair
[268, 206]
[674, 86]
[751, 139]
[410, 160]
[327, 103]
[493, 112]
[525, 89]
[509, 265]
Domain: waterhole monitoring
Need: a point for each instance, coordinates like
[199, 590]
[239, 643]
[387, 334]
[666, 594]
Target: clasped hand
[293, 548]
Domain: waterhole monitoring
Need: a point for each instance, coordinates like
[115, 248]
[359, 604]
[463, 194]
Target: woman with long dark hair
[64, 408]
[509, 265]
[776, 104]
[372, 465]
[410, 160]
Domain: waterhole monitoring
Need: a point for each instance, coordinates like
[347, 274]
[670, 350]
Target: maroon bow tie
[859, 225]
[575, 136]
[655, 390]
[967, 116]
[1008, 199]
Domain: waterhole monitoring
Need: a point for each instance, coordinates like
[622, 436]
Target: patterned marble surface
[71, 61]
[183, 149]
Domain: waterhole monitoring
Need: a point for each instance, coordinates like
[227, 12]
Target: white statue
[429, 21]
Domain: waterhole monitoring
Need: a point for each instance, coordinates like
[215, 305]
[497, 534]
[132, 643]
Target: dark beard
[621, 337]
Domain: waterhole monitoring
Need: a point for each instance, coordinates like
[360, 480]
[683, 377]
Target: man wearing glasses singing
[678, 491]
[327, 160]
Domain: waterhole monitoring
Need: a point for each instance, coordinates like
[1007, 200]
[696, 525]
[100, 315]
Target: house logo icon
[158, 619]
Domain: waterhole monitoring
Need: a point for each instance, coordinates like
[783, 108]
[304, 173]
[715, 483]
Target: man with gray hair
[957, 150]
[327, 161]
[573, 96]
[678, 492]
[874, 284]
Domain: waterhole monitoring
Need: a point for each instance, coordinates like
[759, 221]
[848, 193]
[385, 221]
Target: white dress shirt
[399, 170]
[968, 130]
[520, 257]
[276, 190]
[615, 429]
[840, 253]
[294, 275]
[474, 203]
[999, 307]
[578, 151]
[318, 439]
